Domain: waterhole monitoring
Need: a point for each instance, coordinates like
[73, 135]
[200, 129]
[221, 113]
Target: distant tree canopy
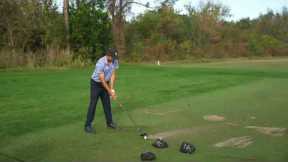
[29, 25]
[204, 32]
[34, 32]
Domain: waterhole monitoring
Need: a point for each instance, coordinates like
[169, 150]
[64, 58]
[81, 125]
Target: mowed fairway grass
[42, 112]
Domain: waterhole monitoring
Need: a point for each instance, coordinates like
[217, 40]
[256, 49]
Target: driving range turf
[42, 112]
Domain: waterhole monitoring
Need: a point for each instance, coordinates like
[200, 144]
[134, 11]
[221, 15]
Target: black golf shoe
[89, 129]
[112, 125]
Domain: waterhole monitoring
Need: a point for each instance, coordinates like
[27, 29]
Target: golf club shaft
[129, 116]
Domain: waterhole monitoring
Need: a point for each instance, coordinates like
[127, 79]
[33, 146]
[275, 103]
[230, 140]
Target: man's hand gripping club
[109, 89]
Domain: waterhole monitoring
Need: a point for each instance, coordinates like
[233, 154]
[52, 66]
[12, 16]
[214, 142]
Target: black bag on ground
[160, 143]
[187, 148]
[148, 156]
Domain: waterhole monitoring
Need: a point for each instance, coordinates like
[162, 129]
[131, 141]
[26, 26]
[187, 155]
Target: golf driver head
[143, 134]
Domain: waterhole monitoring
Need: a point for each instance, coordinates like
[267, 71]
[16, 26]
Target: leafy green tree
[90, 29]
[29, 25]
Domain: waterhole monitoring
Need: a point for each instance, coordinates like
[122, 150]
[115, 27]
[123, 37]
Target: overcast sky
[239, 8]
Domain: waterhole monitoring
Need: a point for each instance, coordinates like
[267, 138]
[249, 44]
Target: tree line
[38, 33]
[165, 34]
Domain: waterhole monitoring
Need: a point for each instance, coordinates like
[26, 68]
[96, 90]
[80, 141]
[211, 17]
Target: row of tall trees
[29, 25]
[165, 34]
[38, 33]
[26, 28]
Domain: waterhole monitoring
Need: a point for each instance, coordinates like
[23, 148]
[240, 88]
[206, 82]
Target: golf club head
[143, 134]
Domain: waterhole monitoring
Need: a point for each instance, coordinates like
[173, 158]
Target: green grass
[42, 112]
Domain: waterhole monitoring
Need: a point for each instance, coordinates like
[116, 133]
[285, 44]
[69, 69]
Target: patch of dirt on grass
[173, 133]
[232, 124]
[214, 118]
[161, 113]
[177, 132]
[242, 159]
[236, 142]
[272, 131]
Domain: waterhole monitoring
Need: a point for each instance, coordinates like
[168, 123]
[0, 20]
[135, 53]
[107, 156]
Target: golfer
[102, 85]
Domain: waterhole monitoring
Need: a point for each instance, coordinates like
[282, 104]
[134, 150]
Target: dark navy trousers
[96, 91]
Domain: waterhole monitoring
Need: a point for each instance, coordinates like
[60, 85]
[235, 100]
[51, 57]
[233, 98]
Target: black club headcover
[148, 156]
[160, 143]
[187, 148]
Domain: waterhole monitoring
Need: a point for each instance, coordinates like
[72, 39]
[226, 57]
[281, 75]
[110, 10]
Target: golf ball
[145, 137]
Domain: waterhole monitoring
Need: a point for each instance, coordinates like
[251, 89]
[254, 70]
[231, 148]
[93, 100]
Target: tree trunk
[118, 35]
[121, 35]
[66, 22]
[11, 38]
[77, 3]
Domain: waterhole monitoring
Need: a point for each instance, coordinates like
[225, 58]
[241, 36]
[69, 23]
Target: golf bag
[160, 143]
[148, 156]
[187, 148]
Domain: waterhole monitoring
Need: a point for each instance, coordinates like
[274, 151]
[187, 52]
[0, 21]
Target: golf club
[140, 130]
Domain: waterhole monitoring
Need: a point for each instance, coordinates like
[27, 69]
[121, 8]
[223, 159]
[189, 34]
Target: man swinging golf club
[102, 85]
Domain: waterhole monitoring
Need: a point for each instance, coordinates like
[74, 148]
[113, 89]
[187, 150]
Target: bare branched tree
[118, 10]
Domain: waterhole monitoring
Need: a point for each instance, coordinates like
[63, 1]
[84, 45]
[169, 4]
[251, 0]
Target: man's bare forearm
[104, 83]
[112, 80]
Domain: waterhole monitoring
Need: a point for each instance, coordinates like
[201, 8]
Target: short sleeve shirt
[102, 66]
